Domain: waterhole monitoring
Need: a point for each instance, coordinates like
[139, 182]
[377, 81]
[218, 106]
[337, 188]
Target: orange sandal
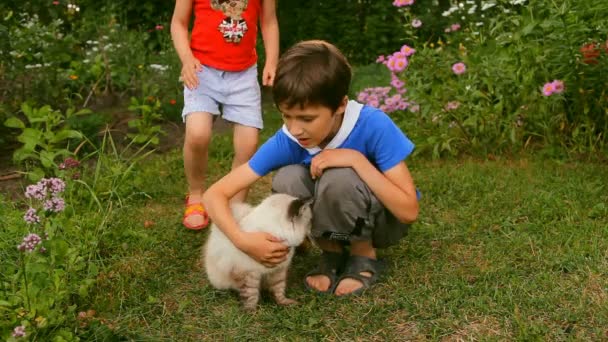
[195, 209]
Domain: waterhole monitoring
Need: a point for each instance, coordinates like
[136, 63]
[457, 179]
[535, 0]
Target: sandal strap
[357, 264]
[195, 208]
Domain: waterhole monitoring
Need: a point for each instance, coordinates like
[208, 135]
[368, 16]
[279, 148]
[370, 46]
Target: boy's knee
[338, 182]
[294, 180]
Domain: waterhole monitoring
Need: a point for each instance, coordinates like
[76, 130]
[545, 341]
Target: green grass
[503, 250]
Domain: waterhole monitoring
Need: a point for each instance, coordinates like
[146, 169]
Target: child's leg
[322, 282]
[245, 140]
[345, 209]
[200, 105]
[196, 146]
[242, 106]
[359, 248]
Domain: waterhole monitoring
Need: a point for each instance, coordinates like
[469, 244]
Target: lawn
[502, 250]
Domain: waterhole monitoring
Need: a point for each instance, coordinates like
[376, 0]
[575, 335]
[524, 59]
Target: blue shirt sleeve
[276, 152]
[389, 145]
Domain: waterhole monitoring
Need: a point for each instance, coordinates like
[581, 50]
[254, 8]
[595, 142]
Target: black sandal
[355, 265]
[330, 266]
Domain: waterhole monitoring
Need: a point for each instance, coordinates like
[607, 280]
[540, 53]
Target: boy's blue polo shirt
[365, 129]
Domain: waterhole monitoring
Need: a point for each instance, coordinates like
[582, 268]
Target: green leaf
[30, 138]
[47, 159]
[66, 134]
[22, 154]
[14, 122]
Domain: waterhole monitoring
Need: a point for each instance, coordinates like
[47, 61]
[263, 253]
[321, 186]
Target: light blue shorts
[237, 94]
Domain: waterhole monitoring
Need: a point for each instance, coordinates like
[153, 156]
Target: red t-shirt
[225, 32]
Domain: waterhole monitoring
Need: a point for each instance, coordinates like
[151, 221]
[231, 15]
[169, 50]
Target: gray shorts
[344, 207]
[236, 94]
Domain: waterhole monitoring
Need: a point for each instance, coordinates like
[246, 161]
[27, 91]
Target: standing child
[219, 71]
[347, 156]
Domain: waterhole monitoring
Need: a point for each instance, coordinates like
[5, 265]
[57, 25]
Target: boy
[219, 70]
[349, 157]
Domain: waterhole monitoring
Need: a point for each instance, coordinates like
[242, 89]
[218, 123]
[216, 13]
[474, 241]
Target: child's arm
[179, 34]
[263, 247]
[394, 188]
[270, 34]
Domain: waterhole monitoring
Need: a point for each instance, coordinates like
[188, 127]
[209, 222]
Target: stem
[27, 296]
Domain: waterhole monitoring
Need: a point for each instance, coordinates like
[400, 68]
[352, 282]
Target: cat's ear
[297, 206]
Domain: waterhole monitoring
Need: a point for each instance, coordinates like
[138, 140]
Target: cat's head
[299, 212]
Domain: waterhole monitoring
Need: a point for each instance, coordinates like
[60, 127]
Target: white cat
[285, 217]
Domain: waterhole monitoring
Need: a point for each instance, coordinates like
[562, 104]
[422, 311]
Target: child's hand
[264, 248]
[339, 157]
[189, 70]
[268, 74]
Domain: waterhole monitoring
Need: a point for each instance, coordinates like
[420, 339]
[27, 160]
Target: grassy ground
[503, 250]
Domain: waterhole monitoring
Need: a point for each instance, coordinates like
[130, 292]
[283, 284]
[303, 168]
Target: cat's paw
[250, 308]
[287, 301]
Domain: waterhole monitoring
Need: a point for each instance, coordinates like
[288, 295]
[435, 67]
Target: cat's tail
[240, 210]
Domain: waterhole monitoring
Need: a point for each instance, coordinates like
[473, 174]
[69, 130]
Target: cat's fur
[285, 217]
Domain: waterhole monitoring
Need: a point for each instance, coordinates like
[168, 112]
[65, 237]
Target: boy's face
[313, 125]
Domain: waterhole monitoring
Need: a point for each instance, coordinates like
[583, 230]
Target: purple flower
[19, 331]
[31, 217]
[459, 68]
[55, 185]
[55, 204]
[416, 23]
[29, 242]
[35, 191]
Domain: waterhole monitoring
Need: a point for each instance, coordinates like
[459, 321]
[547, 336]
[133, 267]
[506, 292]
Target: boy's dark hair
[312, 72]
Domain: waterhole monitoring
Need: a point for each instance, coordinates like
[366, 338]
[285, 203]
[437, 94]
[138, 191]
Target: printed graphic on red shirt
[233, 27]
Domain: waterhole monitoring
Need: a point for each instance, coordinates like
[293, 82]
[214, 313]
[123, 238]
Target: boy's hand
[268, 74]
[264, 248]
[339, 157]
[189, 70]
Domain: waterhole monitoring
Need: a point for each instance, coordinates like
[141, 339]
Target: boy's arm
[179, 34]
[263, 247]
[270, 34]
[394, 188]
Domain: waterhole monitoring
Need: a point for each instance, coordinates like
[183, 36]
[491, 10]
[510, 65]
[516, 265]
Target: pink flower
[380, 59]
[397, 64]
[455, 27]
[159, 27]
[407, 51]
[459, 68]
[452, 105]
[416, 23]
[397, 83]
[55, 3]
[401, 3]
[558, 86]
[548, 89]
[19, 331]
